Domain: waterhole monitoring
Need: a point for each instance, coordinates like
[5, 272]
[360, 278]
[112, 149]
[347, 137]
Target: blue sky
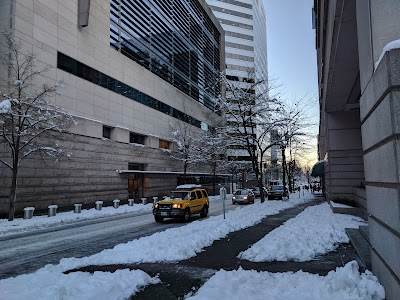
[292, 55]
[291, 46]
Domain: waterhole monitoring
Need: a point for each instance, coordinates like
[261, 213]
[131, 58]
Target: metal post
[99, 205]
[130, 202]
[222, 195]
[28, 212]
[77, 208]
[116, 203]
[52, 210]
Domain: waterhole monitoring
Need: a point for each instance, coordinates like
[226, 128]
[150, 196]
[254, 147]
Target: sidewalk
[178, 279]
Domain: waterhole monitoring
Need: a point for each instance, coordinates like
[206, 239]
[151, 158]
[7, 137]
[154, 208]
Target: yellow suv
[186, 200]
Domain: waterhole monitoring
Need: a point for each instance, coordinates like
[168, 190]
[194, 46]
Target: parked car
[243, 196]
[256, 191]
[277, 192]
[181, 203]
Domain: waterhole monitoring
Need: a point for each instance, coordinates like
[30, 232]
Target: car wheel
[186, 215]
[204, 211]
[158, 219]
[280, 198]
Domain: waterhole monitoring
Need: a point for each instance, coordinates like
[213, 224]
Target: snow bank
[182, 242]
[343, 284]
[37, 222]
[315, 231]
[100, 285]
[390, 46]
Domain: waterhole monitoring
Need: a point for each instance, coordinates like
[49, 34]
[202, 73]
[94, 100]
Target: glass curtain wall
[175, 40]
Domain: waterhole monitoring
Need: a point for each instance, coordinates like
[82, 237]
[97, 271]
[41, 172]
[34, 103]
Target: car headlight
[155, 205]
[245, 197]
[233, 198]
[176, 205]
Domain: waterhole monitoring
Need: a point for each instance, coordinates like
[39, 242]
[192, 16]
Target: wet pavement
[181, 278]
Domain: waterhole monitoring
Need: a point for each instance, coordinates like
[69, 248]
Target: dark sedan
[243, 196]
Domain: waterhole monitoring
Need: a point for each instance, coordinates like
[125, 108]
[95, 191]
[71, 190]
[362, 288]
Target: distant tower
[245, 45]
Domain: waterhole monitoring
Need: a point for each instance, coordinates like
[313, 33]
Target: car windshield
[242, 192]
[277, 188]
[184, 195]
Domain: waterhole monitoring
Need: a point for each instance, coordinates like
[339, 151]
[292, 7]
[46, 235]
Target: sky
[302, 238]
[291, 52]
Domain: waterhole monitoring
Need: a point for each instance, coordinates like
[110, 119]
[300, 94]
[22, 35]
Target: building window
[135, 166]
[163, 144]
[136, 138]
[106, 132]
[79, 69]
[176, 40]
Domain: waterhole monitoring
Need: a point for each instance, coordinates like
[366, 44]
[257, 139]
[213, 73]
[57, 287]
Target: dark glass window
[238, 3]
[72, 66]
[135, 166]
[176, 40]
[136, 138]
[231, 12]
[106, 132]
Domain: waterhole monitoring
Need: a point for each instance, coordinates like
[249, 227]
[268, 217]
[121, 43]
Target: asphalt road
[26, 252]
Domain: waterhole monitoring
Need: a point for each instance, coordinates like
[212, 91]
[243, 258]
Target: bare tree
[259, 120]
[27, 120]
[251, 117]
[294, 135]
[185, 136]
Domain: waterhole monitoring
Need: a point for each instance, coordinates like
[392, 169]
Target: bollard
[28, 212]
[99, 205]
[116, 203]
[77, 208]
[52, 210]
[130, 202]
[155, 199]
[144, 201]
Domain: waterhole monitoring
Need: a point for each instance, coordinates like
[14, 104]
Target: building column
[379, 24]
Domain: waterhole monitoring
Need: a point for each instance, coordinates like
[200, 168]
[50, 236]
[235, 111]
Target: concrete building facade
[359, 71]
[130, 69]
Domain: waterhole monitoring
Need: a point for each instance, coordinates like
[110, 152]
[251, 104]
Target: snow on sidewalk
[38, 222]
[173, 244]
[315, 231]
[183, 242]
[46, 285]
[346, 283]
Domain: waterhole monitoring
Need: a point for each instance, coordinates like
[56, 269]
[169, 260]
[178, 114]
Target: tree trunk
[260, 182]
[214, 177]
[283, 168]
[13, 194]
[184, 172]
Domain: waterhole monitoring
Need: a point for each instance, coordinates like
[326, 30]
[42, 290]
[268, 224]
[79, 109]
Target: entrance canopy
[318, 169]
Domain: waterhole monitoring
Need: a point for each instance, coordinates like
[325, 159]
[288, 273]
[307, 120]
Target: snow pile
[315, 231]
[181, 242]
[340, 205]
[19, 225]
[100, 285]
[390, 46]
[5, 106]
[343, 284]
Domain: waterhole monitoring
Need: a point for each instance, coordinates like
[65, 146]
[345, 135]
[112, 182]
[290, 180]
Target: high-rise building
[244, 24]
[130, 69]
